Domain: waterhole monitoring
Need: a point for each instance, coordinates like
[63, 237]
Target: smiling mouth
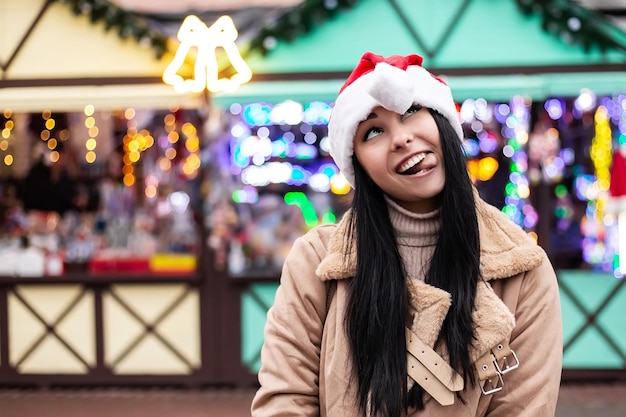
[415, 164]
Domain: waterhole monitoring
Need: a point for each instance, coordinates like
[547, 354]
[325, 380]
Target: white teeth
[411, 162]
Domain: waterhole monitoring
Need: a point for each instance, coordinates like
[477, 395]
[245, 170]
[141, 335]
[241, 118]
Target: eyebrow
[371, 116]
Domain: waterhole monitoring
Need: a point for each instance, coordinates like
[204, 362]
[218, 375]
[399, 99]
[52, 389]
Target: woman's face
[402, 154]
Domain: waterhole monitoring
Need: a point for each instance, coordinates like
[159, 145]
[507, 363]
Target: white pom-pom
[391, 87]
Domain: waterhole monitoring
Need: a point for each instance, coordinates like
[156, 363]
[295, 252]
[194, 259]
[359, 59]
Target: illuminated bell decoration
[193, 33]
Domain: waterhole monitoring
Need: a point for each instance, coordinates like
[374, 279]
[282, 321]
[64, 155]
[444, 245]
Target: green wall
[472, 38]
[588, 344]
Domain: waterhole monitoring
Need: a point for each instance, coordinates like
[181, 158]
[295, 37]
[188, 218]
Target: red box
[128, 265]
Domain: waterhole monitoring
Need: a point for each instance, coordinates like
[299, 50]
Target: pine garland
[301, 19]
[564, 18]
[125, 22]
[576, 24]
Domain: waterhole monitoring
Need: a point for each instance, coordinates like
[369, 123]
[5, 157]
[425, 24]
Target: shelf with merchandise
[100, 193]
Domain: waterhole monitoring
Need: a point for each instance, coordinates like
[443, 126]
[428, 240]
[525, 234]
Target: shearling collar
[505, 251]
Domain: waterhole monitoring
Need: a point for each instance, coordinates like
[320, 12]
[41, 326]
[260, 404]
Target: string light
[601, 156]
[281, 144]
[46, 135]
[152, 185]
[339, 184]
[252, 150]
[5, 139]
[134, 144]
[600, 245]
[517, 190]
[192, 162]
[300, 200]
[597, 227]
[91, 143]
[128, 168]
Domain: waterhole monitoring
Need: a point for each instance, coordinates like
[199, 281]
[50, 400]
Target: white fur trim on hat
[392, 88]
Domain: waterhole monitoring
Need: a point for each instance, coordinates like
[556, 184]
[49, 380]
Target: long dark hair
[377, 308]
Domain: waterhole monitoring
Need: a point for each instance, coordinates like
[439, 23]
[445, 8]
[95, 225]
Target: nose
[401, 137]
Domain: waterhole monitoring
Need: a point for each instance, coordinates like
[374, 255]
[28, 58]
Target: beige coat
[306, 361]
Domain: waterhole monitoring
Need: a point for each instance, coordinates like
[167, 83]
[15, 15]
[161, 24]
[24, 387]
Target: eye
[412, 110]
[371, 133]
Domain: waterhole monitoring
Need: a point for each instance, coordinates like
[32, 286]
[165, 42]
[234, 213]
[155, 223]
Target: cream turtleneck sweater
[416, 235]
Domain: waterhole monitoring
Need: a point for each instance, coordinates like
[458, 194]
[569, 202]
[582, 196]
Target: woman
[423, 300]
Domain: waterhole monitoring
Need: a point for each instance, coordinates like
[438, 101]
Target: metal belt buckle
[497, 387]
[507, 368]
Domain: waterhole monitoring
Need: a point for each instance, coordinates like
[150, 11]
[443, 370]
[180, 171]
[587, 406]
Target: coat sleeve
[532, 390]
[290, 357]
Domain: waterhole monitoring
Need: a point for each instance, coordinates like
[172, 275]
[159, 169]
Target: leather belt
[431, 371]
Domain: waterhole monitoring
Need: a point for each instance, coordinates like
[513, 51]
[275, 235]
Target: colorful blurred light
[300, 200]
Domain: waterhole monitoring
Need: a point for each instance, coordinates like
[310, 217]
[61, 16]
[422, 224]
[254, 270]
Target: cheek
[370, 159]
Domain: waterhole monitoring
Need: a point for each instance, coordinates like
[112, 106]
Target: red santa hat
[395, 83]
